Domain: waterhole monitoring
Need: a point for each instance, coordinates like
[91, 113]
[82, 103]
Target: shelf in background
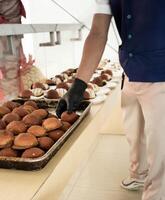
[19, 29]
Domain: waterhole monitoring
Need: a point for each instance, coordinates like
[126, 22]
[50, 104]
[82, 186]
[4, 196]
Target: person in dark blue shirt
[142, 55]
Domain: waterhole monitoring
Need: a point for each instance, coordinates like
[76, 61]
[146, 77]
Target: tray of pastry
[31, 134]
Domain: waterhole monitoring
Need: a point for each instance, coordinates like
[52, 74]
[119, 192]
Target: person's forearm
[92, 53]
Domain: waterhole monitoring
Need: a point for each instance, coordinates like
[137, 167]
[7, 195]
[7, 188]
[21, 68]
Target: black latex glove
[72, 99]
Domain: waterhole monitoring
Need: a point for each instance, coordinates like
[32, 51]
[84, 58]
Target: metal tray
[39, 163]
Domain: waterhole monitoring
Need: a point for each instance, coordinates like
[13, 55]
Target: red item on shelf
[22, 10]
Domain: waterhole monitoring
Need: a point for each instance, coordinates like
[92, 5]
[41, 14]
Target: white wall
[53, 60]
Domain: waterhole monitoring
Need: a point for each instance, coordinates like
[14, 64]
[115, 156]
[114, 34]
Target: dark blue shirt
[141, 25]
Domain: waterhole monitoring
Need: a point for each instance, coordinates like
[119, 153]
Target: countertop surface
[26, 185]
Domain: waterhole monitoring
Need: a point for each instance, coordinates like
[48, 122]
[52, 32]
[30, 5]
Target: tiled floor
[99, 177]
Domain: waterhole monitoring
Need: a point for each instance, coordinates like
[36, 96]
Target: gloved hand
[72, 99]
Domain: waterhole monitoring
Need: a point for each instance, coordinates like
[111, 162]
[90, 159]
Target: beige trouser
[143, 107]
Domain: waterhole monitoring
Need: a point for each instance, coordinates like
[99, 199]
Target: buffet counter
[48, 183]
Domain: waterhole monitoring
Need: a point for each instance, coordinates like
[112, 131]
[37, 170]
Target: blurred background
[53, 60]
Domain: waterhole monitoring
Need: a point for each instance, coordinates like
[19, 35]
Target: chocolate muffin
[98, 81]
[52, 94]
[38, 85]
[50, 82]
[106, 77]
[63, 85]
[107, 71]
[26, 94]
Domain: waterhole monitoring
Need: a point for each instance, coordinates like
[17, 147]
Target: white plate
[35, 98]
[115, 80]
[52, 87]
[111, 85]
[103, 91]
[99, 99]
[117, 75]
[49, 100]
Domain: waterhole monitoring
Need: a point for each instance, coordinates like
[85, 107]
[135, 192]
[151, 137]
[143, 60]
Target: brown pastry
[25, 141]
[56, 134]
[4, 131]
[42, 113]
[89, 94]
[38, 85]
[98, 81]
[6, 140]
[45, 142]
[4, 110]
[37, 131]
[28, 108]
[70, 80]
[20, 111]
[63, 85]
[32, 119]
[2, 124]
[52, 94]
[16, 127]
[8, 152]
[107, 71]
[33, 153]
[69, 117]
[65, 126]
[26, 94]
[11, 117]
[31, 103]
[11, 105]
[51, 124]
[105, 77]
[86, 95]
[50, 82]
[59, 77]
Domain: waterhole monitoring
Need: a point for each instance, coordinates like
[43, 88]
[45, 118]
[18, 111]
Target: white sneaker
[132, 184]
